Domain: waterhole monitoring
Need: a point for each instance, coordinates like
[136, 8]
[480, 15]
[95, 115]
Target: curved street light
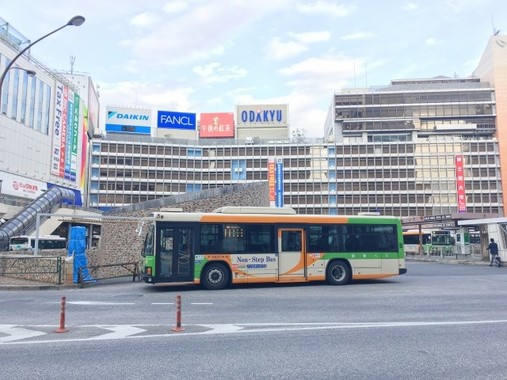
[75, 21]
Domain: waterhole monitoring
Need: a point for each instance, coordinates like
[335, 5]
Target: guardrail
[102, 272]
[456, 251]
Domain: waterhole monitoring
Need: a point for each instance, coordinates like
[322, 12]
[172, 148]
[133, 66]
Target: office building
[415, 147]
[44, 128]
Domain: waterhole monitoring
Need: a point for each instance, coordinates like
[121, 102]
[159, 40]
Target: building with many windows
[413, 148]
[44, 125]
[397, 150]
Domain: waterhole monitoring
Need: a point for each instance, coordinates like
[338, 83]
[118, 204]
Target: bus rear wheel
[338, 273]
[215, 276]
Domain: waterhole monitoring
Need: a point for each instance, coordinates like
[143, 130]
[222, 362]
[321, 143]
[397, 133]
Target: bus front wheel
[215, 276]
[338, 273]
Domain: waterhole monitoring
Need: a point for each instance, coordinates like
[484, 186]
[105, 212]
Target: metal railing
[107, 271]
[456, 252]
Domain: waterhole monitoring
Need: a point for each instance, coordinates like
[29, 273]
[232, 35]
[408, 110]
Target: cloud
[143, 19]
[142, 95]
[214, 73]
[279, 50]
[200, 31]
[325, 7]
[410, 7]
[358, 36]
[312, 82]
[431, 41]
[175, 7]
[458, 6]
[311, 37]
[327, 67]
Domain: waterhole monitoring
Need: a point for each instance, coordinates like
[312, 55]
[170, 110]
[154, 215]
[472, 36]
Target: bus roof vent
[255, 210]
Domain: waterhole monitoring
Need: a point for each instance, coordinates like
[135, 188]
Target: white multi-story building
[45, 127]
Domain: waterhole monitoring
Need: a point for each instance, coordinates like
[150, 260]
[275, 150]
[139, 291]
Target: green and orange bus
[238, 245]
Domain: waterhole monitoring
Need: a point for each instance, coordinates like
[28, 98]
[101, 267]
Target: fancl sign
[269, 115]
[176, 120]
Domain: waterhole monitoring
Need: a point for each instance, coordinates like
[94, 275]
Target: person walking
[493, 251]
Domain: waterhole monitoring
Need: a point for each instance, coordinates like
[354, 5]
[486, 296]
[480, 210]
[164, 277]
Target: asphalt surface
[13, 283]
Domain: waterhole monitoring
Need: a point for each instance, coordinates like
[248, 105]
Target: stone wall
[48, 267]
[121, 243]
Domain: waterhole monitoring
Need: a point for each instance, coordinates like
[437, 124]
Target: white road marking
[17, 333]
[98, 303]
[118, 332]
[191, 303]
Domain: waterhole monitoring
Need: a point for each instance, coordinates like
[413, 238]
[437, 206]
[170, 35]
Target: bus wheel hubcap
[338, 273]
[215, 276]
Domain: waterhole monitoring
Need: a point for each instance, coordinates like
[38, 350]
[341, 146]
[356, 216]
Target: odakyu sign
[176, 120]
[268, 115]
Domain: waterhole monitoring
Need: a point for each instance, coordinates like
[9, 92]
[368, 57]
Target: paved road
[438, 321]
[12, 283]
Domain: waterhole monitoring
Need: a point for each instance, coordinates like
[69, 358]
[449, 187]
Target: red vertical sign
[460, 183]
[271, 180]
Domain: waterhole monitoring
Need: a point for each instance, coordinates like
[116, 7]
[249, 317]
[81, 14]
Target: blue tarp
[77, 249]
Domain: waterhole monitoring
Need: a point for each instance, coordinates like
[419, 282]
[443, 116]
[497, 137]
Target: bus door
[175, 253]
[291, 255]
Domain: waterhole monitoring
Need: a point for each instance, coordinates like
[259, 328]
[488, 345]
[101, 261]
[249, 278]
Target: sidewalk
[13, 283]
[449, 260]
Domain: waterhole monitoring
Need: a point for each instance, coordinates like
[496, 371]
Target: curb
[446, 261]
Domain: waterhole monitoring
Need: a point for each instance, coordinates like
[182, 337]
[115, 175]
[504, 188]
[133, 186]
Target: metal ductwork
[24, 222]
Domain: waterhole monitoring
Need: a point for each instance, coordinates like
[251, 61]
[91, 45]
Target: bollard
[62, 328]
[178, 327]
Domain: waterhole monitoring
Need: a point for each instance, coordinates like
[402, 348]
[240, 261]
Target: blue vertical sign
[279, 183]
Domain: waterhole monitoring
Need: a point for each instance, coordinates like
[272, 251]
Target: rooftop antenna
[355, 86]
[495, 32]
[72, 61]
[365, 75]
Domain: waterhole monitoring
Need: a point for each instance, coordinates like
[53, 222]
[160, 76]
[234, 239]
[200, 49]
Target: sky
[211, 55]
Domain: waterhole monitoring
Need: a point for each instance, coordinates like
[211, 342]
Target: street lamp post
[76, 21]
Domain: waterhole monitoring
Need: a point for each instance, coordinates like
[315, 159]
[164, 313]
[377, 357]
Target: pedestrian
[493, 251]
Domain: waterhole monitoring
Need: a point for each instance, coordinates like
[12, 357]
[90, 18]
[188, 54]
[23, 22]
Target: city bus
[428, 242]
[27, 243]
[238, 245]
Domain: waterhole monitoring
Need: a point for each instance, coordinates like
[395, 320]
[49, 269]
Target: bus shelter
[460, 226]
